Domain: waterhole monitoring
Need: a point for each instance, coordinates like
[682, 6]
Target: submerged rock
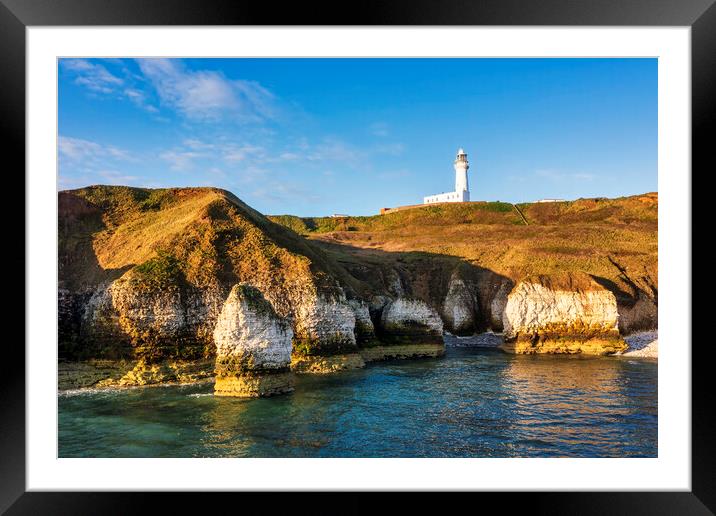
[253, 346]
[166, 371]
[89, 373]
[561, 314]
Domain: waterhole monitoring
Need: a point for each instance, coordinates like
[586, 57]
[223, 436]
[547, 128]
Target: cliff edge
[154, 283]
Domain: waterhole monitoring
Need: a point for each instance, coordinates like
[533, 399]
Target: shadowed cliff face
[145, 275]
[467, 298]
[451, 252]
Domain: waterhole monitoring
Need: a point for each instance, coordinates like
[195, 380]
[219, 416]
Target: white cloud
[83, 162]
[205, 94]
[253, 159]
[97, 79]
[252, 174]
[235, 153]
[346, 154]
[180, 160]
[77, 149]
[334, 150]
[93, 76]
[114, 177]
[281, 192]
[198, 144]
[139, 99]
[69, 182]
[583, 175]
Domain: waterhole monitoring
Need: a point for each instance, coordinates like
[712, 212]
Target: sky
[314, 137]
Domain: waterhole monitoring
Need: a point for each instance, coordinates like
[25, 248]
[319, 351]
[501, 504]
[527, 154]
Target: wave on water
[89, 391]
[488, 403]
[85, 391]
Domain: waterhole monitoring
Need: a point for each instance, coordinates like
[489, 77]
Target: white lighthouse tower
[461, 166]
[462, 189]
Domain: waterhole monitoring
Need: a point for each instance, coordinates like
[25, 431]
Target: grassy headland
[199, 242]
[614, 240]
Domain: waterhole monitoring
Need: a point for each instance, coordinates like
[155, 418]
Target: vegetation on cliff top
[613, 240]
[206, 235]
[626, 210]
[433, 215]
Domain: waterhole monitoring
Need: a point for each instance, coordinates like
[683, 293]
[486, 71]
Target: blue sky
[321, 136]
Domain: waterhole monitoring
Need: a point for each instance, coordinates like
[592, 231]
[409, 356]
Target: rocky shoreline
[110, 374]
[640, 345]
[643, 345]
[256, 351]
[228, 294]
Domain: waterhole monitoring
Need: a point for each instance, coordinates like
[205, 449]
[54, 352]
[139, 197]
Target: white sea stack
[253, 346]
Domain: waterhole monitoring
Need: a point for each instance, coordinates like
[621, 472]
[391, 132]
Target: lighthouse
[462, 189]
[461, 165]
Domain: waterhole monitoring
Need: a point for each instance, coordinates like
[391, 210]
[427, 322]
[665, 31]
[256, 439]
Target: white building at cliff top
[462, 190]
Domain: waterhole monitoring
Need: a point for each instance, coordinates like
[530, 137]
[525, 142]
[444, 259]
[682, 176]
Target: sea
[472, 402]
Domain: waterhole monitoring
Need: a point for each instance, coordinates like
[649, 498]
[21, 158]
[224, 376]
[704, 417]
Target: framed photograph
[443, 248]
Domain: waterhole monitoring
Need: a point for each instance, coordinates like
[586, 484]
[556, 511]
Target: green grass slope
[205, 235]
[614, 240]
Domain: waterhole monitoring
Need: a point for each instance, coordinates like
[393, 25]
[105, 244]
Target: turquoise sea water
[470, 403]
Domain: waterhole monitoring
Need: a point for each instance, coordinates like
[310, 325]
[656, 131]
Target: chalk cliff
[148, 284]
[460, 307]
[364, 327]
[253, 346]
[326, 340]
[491, 246]
[566, 313]
[406, 328]
[144, 276]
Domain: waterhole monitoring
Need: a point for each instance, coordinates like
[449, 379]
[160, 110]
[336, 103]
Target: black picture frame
[16, 15]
